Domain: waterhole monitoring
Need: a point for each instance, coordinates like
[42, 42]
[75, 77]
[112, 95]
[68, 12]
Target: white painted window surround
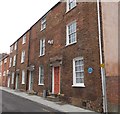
[78, 72]
[23, 57]
[71, 35]
[70, 5]
[43, 23]
[41, 75]
[14, 60]
[24, 39]
[10, 64]
[42, 47]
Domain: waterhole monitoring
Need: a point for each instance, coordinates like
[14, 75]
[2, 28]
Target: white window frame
[42, 47]
[75, 84]
[0, 74]
[13, 75]
[7, 72]
[4, 73]
[15, 46]
[5, 60]
[23, 76]
[23, 57]
[14, 60]
[73, 32]
[68, 5]
[11, 49]
[24, 39]
[43, 23]
[10, 64]
[41, 73]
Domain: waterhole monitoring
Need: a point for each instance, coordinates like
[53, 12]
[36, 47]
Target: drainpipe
[101, 61]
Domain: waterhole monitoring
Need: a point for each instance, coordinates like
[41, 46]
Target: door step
[31, 92]
[53, 98]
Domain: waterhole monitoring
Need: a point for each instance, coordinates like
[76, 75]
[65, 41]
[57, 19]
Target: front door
[56, 80]
[16, 84]
[8, 84]
[30, 81]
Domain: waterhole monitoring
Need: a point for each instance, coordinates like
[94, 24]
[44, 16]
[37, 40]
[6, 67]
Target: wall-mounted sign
[90, 70]
[102, 65]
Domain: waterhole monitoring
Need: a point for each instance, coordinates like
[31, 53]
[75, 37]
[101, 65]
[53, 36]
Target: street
[13, 103]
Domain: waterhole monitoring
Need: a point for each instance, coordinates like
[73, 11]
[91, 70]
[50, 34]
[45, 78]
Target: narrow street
[13, 103]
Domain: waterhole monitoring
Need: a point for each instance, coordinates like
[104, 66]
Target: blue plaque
[90, 70]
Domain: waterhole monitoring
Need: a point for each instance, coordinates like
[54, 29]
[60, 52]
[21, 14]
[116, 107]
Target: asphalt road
[13, 103]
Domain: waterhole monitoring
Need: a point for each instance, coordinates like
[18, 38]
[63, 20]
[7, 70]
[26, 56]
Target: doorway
[17, 81]
[56, 80]
[30, 81]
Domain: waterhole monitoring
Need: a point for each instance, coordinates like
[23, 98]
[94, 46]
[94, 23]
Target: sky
[17, 16]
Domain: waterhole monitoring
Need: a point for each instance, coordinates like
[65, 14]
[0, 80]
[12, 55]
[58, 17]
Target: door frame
[16, 82]
[30, 79]
[54, 80]
[8, 84]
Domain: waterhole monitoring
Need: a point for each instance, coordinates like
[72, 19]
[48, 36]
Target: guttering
[101, 61]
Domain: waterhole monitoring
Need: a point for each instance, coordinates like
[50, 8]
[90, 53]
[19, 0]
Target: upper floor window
[10, 62]
[5, 60]
[41, 75]
[43, 23]
[14, 60]
[71, 33]
[11, 49]
[24, 39]
[78, 72]
[15, 46]
[23, 77]
[42, 47]
[23, 57]
[71, 4]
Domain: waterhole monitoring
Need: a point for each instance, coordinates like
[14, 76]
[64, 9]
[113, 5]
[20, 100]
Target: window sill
[23, 83]
[80, 85]
[41, 84]
[71, 9]
[70, 44]
[42, 29]
[22, 62]
[41, 55]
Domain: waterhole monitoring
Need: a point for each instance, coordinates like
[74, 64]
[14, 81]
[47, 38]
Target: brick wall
[87, 46]
[113, 93]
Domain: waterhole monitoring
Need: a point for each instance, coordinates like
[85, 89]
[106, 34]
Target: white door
[8, 84]
[30, 81]
[16, 85]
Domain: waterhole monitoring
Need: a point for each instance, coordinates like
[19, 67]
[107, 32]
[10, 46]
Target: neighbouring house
[19, 62]
[4, 70]
[65, 53]
[110, 19]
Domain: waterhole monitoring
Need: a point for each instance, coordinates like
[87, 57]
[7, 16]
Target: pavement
[43, 101]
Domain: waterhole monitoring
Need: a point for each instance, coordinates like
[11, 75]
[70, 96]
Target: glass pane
[78, 80]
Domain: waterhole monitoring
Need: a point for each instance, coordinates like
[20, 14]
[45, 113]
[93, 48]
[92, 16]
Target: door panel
[56, 80]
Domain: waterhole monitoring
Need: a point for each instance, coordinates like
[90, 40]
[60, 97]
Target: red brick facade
[58, 54]
[4, 70]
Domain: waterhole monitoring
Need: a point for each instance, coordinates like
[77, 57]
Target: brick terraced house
[4, 71]
[61, 54]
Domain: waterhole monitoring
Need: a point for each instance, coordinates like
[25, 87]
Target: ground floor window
[41, 75]
[78, 71]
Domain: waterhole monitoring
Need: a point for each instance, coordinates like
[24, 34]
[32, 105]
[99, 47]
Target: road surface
[13, 103]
